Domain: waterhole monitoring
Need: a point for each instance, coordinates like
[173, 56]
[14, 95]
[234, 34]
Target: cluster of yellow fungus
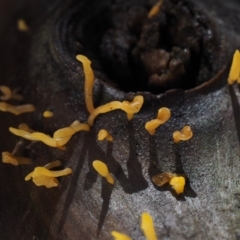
[7, 157]
[89, 81]
[155, 9]
[184, 135]
[102, 169]
[60, 137]
[48, 114]
[177, 182]
[104, 134]
[43, 176]
[22, 26]
[17, 110]
[147, 227]
[163, 116]
[234, 74]
[129, 107]
[9, 94]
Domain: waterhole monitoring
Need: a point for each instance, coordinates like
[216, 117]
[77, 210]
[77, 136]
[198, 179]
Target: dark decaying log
[42, 63]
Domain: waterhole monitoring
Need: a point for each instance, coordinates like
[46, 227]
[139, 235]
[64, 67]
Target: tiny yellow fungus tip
[22, 26]
[42, 176]
[234, 74]
[155, 9]
[48, 114]
[183, 135]
[129, 107]
[17, 110]
[163, 116]
[102, 169]
[163, 178]
[147, 226]
[89, 81]
[119, 236]
[7, 157]
[178, 184]
[104, 134]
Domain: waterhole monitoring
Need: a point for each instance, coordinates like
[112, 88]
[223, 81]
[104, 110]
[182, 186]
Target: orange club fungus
[60, 137]
[234, 74]
[184, 135]
[129, 107]
[102, 170]
[89, 81]
[147, 226]
[104, 134]
[7, 157]
[43, 176]
[163, 116]
[9, 94]
[119, 236]
[177, 182]
[48, 114]
[155, 9]
[22, 25]
[17, 110]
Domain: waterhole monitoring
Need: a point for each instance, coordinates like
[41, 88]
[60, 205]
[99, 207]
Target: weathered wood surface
[84, 205]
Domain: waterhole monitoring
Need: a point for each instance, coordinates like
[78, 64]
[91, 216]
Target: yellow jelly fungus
[178, 184]
[155, 9]
[22, 26]
[7, 157]
[60, 137]
[89, 81]
[48, 114]
[163, 116]
[102, 169]
[162, 178]
[104, 134]
[129, 107]
[147, 227]
[234, 74]
[42, 176]
[9, 94]
[185, 134]
[5, 107]
[119, 236]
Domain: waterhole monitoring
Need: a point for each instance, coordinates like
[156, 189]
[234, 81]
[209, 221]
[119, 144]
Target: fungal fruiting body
[102, 169]
[7, 157]
[17, 110]
[104, 134]
[48, 114]
[234, 74]
[184, 135]
[162, 178]
[129, 107]
[60, 137]
[163, 116]
[177, 182]
[42, 176]
[147, 226]
[155, 9]
[9, 94]
[119, 236]
[89, 81]
[22, 26]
